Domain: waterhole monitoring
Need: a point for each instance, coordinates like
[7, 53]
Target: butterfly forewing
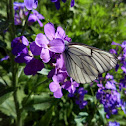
[84, 63]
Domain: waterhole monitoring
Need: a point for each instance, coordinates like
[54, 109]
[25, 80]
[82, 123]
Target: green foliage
[92, 22]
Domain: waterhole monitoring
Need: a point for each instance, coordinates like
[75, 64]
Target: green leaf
[38, 102]
[44, 71]
[5, 93]
[102, 113]
[3, 25]
[83, 114]
[89, 97]
[8, 107]
[2, 44]
[5, 96]
[45, 120]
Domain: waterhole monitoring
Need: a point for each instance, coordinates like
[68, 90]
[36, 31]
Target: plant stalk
[14, 66]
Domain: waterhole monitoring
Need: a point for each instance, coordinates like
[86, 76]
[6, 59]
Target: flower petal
[29, 4]
[57, 46]
[33, 66]
[49, 31]
[60, 77]
[58, 93]
[45, 56]
[4, 58]
[53, 86]
[40, 23]
[60, 33]
[41, 40]
[64, 1]
[35, 49]
[54, 0]
[72, 3]
[32, 18]
[35, 4]
[25, 41]
[20, 58]
[57, 4]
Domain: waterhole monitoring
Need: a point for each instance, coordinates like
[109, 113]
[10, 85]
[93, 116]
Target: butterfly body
[84, 63]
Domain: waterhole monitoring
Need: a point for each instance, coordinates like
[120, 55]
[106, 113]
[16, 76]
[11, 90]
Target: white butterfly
[84, 63]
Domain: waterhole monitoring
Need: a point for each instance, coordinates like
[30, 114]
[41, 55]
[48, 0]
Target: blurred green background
[92, 22]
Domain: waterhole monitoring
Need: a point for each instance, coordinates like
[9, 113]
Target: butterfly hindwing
[84, 63]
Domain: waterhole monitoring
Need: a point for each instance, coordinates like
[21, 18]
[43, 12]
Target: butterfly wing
[84, 63]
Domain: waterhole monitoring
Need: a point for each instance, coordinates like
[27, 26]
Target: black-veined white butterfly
[84, 63]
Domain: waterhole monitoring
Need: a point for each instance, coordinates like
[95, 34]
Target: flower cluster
[20, 50]
[21, 13]
[79, 97]
[108, 95]
[121, 54]
[57, 3]
[113, 124]
[49, 47]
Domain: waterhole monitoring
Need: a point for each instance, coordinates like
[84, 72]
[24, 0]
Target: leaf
[102, 113]
[38, 102]
[81, 118]
[3, 25]
[8, 107]
[5, 93]
[44, 71]
[2, 44]
[42, 106]
[5, 96]
[45, 120]
[83, 114]
[89, 97]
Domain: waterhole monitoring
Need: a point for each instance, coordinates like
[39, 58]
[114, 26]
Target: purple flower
[113, 51]
[114, 43]
[18, 6]
[124, 67]
[113, 123]
[30, 4]
[108, 76]
[123, 45]
[49, 45]
[110, 85]
[35, 17]
[57, 3]
[19, 45]
[33, 65]
[123, 106]
[56, 89]
[117, 67]
[49, 30]
[20, 58]
[80, 97]
[20, 13]
[20, 50]
[72, 3]
[4, 58]
[36, 50]
[70, 86]
[60, 77]
[122, 83]
[109, 99]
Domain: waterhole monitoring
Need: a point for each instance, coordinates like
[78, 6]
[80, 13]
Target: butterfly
[84, 63]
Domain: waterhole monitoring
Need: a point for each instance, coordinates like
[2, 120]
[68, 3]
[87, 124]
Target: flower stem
[25, 23]
[14, 84]
[14, 66]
